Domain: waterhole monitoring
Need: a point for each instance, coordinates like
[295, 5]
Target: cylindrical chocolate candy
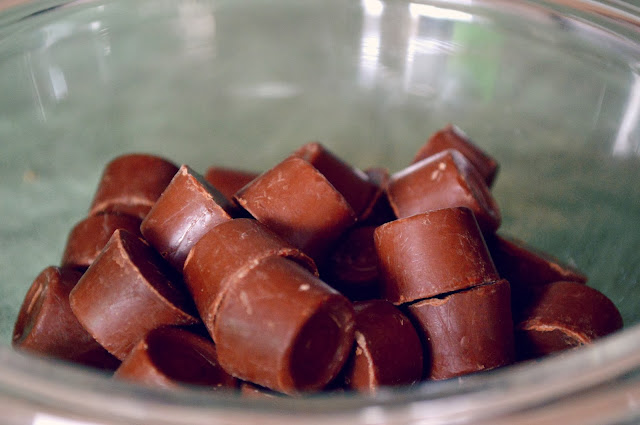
[352, 267]
[169, 357]
[281, 327]
[47, 326]
[564, 315]
[225, 250]
[187, 209]
[467, 331]
[381, 211]
[444, 180]
[89, 236]
[527, 269]
[431, 254]
[128, 291]
[131, 184]
[298, 203]
[227, 180]
[388, 351]
[452, 137]
[350, 181]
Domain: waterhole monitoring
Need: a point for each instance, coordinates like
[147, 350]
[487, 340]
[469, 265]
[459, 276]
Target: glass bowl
[550, 88]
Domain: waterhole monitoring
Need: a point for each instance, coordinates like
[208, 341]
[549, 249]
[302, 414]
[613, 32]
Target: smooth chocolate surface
[128, 291]
[444, 180]
[169, 357]
[224, 251]
[563, 315]
[228, 180]
[47, 326]
[131, 184]
[281, 327]
[527, 268]
[351, 182]
[452, 137]
[467, 331]
[298, 203]
[89, 236]
[430, 254]
[352, 267]
[388, 351]
[187, 209]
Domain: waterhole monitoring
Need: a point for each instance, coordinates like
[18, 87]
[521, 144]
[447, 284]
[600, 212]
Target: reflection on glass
[370, 40]
[626, 144]
[196, 26]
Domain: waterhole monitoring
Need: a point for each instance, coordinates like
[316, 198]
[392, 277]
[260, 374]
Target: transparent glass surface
[551, 89]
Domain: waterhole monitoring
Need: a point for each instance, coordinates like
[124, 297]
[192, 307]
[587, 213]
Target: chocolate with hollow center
[169, 357]
[126, 292]
[281, 327]
[223, 252]
[563, 315]
[387, 352]
[350, 181]
[298, 203]
[187, 209]
[467, 331]
[452, 137]
[46, 325]
[444, 180]
[131, 184]
[89, 236]
[431, 254]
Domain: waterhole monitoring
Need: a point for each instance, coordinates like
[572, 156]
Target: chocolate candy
[298, 203]
[89, 236]
[563, 315]
[126, 292]
[444, 180]
[352, 267]
[223, 252]
[387, 351]
[467, 331]
[187, 209]
[228, 181]
[280, 327]
[351, 182]
[169, 357]
[381, 211]
[131, 184]
[46, 325]
[452, 137]
[432, 253]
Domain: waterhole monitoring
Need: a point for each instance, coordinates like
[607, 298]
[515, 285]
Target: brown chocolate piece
[527, 269]
[226, 250]
[452, 137]
[228, 181]
[388, 351]
[444, 180]
[46, 325]
[131, 184]
[89, 236]
[564, 315]
[352, 267]
[466, 331]
[280, 327]
[169, 357]
[187, 209]
[432, 253]
[250, 390]
[381, 211]
[350, 181]
[126, 292]
[298, 203]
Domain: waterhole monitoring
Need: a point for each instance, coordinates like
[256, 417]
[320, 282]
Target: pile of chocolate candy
[311, 276]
